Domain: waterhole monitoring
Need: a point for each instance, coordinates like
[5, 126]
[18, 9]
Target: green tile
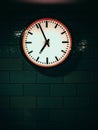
[84, 115]
[47, 125]
[16, 115]
[41, 78]
[10, 64]
[87, 65]
[36, 90]
[36, 114]
[87, 90]
[31, 125]
[76, 102]
[92, 50]
[94, 76]
[11, 90]
[22, 77]
[81, 77]
[23, 102]
[71, 115]
[4, 114]
[16, 125]
[4, 102]
[8, 51]
[63, 90]
[4, 77]
[61, 114]
[50, 102]
[4, 51]
[28, 66]
[15, 51]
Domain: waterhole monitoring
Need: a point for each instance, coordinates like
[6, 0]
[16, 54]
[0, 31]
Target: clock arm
[43, 33]
[46, 43]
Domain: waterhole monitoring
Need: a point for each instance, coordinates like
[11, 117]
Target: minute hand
[43, 33]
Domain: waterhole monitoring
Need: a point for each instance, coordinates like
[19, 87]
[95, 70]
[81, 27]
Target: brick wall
[30, 99]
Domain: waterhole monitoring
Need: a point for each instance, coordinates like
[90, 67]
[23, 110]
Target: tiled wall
[31, 100]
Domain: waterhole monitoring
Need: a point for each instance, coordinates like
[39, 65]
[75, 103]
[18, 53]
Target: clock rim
[46, 65]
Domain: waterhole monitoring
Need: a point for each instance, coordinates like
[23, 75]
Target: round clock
[47, 42]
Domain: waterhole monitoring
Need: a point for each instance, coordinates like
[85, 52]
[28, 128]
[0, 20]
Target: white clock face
[47, 42]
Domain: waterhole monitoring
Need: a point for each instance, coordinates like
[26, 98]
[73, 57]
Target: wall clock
[47, 42]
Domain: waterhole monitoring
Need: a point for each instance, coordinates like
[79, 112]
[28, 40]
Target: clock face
[47, 42]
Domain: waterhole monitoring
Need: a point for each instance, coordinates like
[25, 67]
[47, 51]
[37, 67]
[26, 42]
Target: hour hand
[46, 43]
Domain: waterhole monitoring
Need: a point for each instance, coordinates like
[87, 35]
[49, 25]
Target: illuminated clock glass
[47, 42]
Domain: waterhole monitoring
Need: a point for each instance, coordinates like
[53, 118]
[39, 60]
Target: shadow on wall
[70, 64]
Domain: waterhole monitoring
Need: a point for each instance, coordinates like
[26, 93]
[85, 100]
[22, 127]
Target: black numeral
[63, 51]
[56, 58]
[65, 41]
[37, 59]
[37, 26]
[30, 52]
[56, 26]
[47, 60]
[30, 33]
[28, 42]
[63, 32]
[46, 24]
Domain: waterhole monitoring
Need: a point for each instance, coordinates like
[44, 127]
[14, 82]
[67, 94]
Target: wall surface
[34, 99]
